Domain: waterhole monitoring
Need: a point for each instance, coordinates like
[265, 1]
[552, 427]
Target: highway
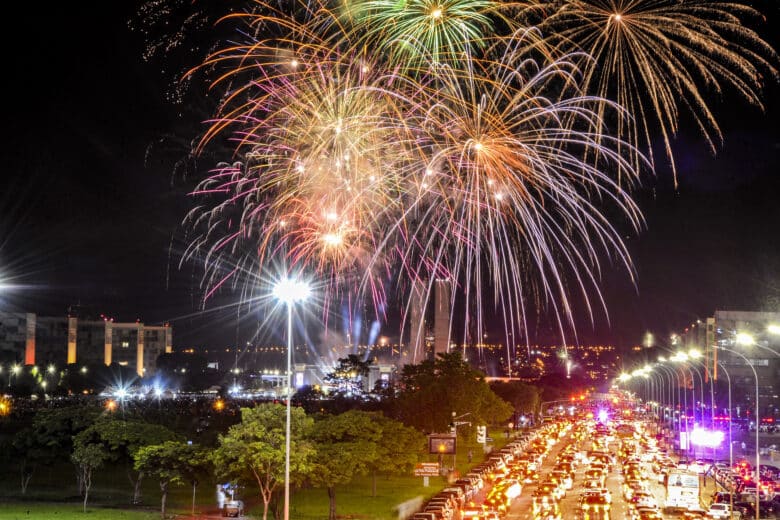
[569, 507]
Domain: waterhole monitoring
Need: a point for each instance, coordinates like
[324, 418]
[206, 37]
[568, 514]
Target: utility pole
[454, 430]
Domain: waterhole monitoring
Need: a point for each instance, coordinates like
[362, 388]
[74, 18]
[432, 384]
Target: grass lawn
[356, 501]
[41, 510]
[52, 494]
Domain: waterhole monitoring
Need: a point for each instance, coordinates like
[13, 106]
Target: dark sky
[90, 202]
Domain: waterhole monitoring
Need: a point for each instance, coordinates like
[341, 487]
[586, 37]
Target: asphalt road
[521, 508]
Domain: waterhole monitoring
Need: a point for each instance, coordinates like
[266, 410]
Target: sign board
[426, 469]
[442, 444]
[684, 440]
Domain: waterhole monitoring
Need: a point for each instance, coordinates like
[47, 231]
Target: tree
[398, 448]
[522, 396]
[29, 452]
[346, 446]
[50, 438]
[87, 457]
[432, 390]
[254, 449]
[348, 375]
[172, 462]
[123, 438]
[310, 398]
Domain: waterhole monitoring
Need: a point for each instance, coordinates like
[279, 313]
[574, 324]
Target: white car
[722, 510]
[233, 508]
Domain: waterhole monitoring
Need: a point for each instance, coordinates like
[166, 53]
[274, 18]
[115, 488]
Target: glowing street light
[773, 329]
[289, 291]
[744, 339]
[757, 418]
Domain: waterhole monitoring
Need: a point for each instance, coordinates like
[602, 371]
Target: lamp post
[671, 402]
[289, 291]
[731, 444]
[758, 459]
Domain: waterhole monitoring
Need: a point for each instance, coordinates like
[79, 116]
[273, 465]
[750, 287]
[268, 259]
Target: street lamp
[670, 395]
[289, 291]
[731, 443]
[758, 458]
[744, 339]
[682, 357]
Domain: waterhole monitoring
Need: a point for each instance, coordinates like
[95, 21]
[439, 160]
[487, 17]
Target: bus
[682, 490]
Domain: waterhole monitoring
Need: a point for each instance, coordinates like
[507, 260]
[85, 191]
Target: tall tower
[442, 313]
[417, 322]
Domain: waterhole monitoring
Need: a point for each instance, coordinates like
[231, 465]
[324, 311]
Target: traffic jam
[600, 464]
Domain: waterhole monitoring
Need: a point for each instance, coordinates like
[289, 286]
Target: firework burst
[513, 183]
[326, 154]
[660, 58]
[414, 32]
[383, 145]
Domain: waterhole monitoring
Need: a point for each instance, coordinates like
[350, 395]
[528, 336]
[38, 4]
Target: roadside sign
[426, 469]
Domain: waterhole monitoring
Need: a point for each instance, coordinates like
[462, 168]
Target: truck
[682, 490]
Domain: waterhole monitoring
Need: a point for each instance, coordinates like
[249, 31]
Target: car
[424, 516]
[595, 474]
[643, 499]
[600, 492]
[542, 500]
[548, 513]
[479, 514]
[563, 477]
[594, 508]
[457, 492]
[646, 513]
[721, 496]
[233, 508]
[748, 509]
[722, 510]
[633, 486]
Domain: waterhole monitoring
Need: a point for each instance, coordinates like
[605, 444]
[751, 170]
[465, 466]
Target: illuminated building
[755, 335]
[71, 339]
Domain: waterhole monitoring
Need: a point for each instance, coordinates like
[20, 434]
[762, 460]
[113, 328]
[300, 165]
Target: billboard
[426, 469]
[442, 444]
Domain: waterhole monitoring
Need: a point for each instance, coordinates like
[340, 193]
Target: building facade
[33, 339]
[739, 342]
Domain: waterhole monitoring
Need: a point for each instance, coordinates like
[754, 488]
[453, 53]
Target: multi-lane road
[569, 507]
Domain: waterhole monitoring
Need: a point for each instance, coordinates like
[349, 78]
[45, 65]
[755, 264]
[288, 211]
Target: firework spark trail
[379, 176]
[511, 195]
[326, 152]
[658, 58]
[384, 145]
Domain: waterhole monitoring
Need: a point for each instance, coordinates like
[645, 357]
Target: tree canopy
[522, 396]
[172, 462]
[253, 451]
[346, 446]
[432, 390]
[121, 439]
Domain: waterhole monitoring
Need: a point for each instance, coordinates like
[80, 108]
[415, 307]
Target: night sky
[91, 200]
